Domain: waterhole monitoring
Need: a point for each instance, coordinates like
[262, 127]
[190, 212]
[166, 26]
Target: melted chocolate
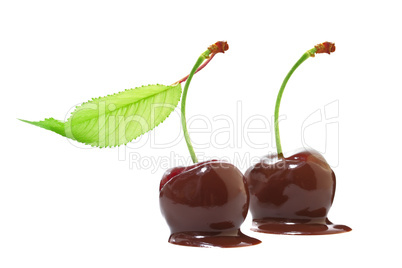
[205, 204]
[292, 195]
[228, 239]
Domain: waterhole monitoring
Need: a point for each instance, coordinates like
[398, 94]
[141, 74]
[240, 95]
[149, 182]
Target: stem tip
[220, 46]
[326, 47]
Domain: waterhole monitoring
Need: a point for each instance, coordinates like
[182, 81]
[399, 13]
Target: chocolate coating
[205, 204]
[292, 195]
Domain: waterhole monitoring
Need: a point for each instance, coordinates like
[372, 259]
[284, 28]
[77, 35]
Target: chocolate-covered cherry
[204, 204]
[292, 195]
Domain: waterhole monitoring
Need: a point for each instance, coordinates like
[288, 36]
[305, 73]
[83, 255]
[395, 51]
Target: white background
[67, 205]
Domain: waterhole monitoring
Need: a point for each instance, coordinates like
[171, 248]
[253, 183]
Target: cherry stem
[208, 54]
[325, 47]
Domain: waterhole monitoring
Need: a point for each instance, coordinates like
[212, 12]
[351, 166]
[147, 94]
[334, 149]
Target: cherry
[204, 204]
[292, 195]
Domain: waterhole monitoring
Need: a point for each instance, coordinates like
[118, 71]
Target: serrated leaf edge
[113, 146]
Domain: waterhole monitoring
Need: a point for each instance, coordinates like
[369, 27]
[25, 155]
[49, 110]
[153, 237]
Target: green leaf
[49, 124]
[117, 119]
